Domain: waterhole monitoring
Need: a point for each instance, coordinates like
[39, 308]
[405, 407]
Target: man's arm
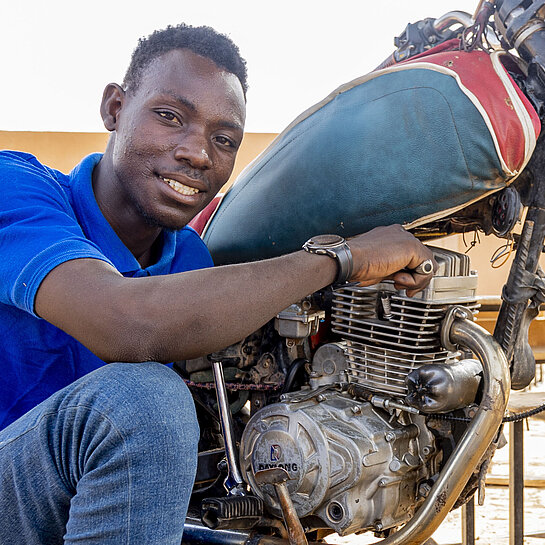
[185, 315]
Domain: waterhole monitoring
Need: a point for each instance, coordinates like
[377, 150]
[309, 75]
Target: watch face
[327, 240]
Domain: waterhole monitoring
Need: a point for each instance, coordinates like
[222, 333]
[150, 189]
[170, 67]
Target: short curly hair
[202, 40]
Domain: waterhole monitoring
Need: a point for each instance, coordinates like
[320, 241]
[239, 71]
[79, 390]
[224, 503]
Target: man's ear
[112, 102]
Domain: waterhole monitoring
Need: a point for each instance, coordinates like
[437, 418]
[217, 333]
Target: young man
[99, 266]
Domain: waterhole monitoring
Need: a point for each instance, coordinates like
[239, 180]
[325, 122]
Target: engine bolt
[395, 465]
[427, 450]
[389, 436]
[424, 489]
[356, 409]
[378, 526]
[382, 483]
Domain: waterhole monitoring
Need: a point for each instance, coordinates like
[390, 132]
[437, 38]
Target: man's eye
[169, 116]
[227, 142]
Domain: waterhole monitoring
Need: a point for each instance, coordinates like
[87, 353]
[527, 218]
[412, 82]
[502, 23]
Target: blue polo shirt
[47, 218]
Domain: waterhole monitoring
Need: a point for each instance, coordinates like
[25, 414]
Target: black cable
[513, 418]
[521, 416]
[292, 373]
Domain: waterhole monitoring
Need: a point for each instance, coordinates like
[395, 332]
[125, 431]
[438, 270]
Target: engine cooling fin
[387, 334]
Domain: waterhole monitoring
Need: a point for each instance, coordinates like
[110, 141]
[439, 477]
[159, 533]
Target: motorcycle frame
[517, 311]
[522, 27]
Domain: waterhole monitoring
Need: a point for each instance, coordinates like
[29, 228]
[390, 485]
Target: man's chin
[156, 221]
[152, 221]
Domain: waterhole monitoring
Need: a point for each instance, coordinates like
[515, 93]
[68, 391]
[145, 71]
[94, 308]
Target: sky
[58, 55]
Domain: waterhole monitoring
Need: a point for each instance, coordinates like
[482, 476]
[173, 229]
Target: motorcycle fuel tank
[407, 144]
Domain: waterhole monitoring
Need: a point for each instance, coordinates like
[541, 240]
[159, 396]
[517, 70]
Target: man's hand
[389, 253]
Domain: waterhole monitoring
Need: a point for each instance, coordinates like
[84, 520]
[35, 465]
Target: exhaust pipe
[461, 330]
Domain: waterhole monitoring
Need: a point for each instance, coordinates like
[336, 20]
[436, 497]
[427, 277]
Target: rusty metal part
[468, 522]
[233, 386]
[277, 477]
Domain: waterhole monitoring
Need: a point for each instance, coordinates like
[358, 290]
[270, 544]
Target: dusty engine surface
[364, 460]
[347, 461]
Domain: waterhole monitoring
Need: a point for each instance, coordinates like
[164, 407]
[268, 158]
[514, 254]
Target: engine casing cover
[352, 465]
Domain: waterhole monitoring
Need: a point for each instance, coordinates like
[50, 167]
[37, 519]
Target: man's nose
[195, 150]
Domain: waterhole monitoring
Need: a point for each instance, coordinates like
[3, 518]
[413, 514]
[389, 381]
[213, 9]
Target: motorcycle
[359, 409]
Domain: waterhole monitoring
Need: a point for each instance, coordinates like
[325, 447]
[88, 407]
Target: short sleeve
[191, 252]
[38, 228]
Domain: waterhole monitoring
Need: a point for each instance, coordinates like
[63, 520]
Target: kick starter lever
[234, 484]
[277, 476]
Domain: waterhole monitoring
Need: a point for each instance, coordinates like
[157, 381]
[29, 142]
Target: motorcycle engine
[359, 456]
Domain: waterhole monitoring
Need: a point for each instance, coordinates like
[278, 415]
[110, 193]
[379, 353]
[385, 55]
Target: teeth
[180, 188]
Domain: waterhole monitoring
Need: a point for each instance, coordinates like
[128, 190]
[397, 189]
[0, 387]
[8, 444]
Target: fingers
[391, 253]
[421, 255]
[403, 280]
[412, 282]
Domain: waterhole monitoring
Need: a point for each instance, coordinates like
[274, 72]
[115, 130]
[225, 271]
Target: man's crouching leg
[110, 459]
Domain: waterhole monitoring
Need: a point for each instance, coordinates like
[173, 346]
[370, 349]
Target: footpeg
[235, 512]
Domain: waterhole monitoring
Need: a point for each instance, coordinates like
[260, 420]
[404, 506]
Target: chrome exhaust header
[462, 331]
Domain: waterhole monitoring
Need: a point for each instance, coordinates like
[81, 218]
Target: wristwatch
[335, 247]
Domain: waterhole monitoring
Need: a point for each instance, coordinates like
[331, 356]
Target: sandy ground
[492, 519]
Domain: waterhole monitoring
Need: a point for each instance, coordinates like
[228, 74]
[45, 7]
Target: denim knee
[110, 456]
[147, 399]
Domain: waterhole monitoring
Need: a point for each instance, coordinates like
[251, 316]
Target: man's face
[176, 138]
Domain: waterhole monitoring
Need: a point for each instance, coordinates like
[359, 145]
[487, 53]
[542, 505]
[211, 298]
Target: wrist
[336, 248]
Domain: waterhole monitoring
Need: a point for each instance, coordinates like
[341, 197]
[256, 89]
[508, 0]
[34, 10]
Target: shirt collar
[98, 230]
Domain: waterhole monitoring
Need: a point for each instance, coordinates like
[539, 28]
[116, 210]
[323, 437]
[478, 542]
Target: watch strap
[336, 247]
[345, 262]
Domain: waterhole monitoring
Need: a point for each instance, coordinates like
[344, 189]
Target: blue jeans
[110, 459]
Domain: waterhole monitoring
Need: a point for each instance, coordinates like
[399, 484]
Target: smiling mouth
[180, 188]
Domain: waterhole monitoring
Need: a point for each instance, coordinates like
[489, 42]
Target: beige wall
[64, 150]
